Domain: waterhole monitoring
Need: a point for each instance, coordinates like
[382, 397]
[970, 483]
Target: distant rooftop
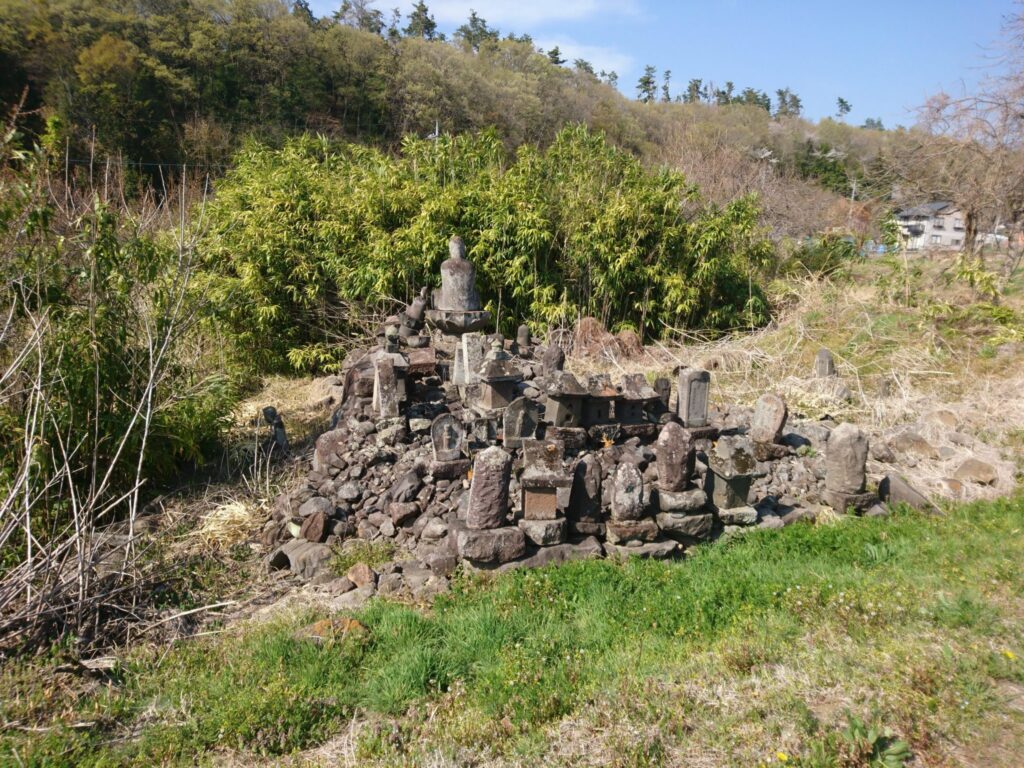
[927, 209]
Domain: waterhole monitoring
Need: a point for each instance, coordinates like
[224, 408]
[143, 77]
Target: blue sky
[885, 58]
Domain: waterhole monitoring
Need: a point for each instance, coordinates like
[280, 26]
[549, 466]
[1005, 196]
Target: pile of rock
[458, 447]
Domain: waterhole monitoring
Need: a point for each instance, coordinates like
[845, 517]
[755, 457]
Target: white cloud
[522, 14]
[608, 59]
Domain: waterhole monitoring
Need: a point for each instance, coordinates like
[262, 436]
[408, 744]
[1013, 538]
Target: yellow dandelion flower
[1010, 655]
[782, 756]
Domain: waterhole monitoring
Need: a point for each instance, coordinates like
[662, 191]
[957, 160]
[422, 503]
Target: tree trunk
[970, 231]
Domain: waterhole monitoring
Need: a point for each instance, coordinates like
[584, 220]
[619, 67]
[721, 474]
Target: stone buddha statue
[457, 308]
[458, 281]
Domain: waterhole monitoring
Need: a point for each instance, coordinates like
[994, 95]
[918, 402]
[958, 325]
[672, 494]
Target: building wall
[940, 231]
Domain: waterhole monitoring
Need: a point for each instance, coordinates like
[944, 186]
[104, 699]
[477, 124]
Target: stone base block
[604, 434]
[588, 549]
[683, 526]
[301, 557]
[574, 438]
[622, 531]
[657, 550]
[457, 322]
[540, 503]
[841, 502]
[544, 533]
[738, 516]
[692, 500]
[645, 431]
[703, 433]
[895, 490]
[587, 528]
[494, 545]
[450, 470]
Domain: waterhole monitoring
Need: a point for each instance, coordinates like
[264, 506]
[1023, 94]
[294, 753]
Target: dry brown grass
[878, 341]
[305, 404]
[228, 524]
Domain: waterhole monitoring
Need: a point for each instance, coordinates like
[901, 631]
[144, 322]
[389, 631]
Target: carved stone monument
[732, 470]
[488, 493]
[770, 413]
[692, 407]
[553, 359]
[629, 521]
[446, 436]
[524, 342]
[585, 498]
[542, 480]
[385, 388]
[456, 304]
[824, 364]
[412, 320]
[521, 421]
[498, 379]
[564, 408]
[846, 455]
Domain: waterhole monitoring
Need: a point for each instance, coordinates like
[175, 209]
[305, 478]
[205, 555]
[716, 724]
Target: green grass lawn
[847, 644]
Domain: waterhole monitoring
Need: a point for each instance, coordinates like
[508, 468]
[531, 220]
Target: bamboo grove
[302, 239]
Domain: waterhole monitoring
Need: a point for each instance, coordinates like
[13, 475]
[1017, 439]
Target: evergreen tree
[647, 85]
[666, 78]
[842, 107]
[695, 91]
[555, 57]
[795, 105]
[394, 33]
[754, 98]
[873, 124]
[789, 104]
[300, 10]
[475, 32]
[359, 14]
[724, 96]
[421, 23]
[582, 65]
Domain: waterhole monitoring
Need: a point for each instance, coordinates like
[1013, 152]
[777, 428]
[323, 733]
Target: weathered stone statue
[457, 308]
[524, 342]
[845, 476]
[458, 280]
[412, 321]
[278, 436]
[488, 493]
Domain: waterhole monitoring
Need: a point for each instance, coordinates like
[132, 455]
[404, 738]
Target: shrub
[100, 393]
[825, 255]
[305, 238]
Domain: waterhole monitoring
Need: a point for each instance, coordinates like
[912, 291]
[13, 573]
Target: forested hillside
[161, 85]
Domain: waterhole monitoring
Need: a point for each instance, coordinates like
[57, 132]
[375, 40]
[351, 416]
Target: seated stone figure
[457, 308]
[458, 281]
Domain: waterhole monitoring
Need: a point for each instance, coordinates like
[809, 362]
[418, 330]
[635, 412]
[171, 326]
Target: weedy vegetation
[859, 643]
